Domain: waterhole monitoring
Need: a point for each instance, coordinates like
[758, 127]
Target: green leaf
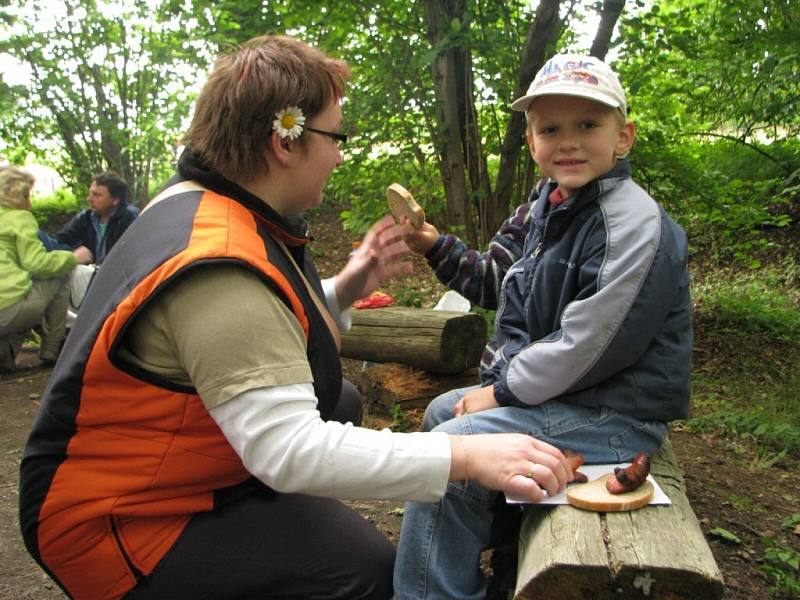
[725, 535]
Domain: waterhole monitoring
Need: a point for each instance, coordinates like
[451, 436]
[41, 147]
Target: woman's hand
[381, 256]
[476, 401]
[514, 463]
[420, 240]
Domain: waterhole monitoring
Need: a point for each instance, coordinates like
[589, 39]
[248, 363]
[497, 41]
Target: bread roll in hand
[402, 204]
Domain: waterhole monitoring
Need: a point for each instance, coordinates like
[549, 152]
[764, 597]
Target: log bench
[438, 341]
[657, 552]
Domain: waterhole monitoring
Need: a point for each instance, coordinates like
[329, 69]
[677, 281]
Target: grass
[782, 564]
[747, 330]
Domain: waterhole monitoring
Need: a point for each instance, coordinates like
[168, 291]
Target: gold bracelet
[466, 460]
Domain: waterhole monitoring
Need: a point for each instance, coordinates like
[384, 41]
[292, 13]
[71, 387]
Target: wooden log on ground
[439, 341]
[657, 552]
[389, 384]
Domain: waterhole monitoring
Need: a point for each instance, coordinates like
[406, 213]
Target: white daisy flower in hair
[289, 122]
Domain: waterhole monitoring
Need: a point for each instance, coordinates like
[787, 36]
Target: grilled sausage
[629, 478]
[575, 460]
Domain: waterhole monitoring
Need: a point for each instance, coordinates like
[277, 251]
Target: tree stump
[390, 384]
[437, 341]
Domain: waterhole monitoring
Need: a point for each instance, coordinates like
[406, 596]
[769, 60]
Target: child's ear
[529, 136]
[627, 135]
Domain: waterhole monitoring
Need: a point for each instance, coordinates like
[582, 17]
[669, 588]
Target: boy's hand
[476, 401]
[420, 240]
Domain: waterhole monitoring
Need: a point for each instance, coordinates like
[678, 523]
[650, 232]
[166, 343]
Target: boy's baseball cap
[575, 75]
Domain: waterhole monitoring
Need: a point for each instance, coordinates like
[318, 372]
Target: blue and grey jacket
[597, 310]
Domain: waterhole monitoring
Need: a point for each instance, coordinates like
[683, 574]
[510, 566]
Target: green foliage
[720, 67]
[408, 296]
[712, 86]
[401, 422]
[714, 92]
[791, 522]
[745, 503]
[725, 535]
[111, 83]
[749, 307]
[782, 565]
[754, 317]
[727, 196]
[360, 183]
[758, 425]
[53, 211]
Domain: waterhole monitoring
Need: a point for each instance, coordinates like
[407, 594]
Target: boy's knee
[436, 414]
[440, 410]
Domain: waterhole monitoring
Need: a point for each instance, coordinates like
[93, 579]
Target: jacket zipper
[540, 246]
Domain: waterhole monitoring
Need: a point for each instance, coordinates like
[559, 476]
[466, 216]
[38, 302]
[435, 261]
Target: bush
[52, 212]
[727, 195]
[360, 183]
[751, 307]
[745, 382]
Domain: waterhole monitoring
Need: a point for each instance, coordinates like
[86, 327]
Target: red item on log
[374, 300]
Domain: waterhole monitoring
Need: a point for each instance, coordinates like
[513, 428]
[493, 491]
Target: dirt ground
[723, 487]
[725, 484]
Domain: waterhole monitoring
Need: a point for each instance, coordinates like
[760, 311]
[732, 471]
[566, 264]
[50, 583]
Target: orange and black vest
[119, 459]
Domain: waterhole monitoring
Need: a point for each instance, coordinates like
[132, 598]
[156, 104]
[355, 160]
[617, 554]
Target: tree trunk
[609, 15]
[449, 142]
[475, 158]
[542, 35]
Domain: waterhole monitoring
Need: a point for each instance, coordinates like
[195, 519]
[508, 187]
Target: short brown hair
[234, 112]
[15, 184]
[116, 185]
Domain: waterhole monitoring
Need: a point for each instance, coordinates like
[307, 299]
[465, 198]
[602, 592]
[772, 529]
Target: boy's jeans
[440, 542]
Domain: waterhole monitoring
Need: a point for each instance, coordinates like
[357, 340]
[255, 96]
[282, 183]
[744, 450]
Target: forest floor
[728, 486]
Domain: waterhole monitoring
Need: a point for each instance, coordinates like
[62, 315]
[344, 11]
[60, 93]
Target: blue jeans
[438, 556]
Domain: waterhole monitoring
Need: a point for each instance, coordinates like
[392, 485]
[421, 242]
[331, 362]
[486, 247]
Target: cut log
[439, 341]
[389, 384]
[656, 552]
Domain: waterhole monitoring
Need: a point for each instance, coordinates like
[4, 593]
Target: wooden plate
[594, 496]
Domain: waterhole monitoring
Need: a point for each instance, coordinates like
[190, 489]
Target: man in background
[98, 227]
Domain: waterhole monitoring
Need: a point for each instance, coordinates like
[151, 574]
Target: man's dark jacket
[80, 231]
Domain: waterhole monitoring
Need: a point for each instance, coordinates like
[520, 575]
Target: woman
[33, 282]
[186, 446]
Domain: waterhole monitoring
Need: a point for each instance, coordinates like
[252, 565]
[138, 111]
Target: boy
[593, 337]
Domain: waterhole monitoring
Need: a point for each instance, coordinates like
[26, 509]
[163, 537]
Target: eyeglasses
[341, 138]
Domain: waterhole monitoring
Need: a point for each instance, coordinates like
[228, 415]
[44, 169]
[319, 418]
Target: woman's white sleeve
[342, 317]
[281, 439]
